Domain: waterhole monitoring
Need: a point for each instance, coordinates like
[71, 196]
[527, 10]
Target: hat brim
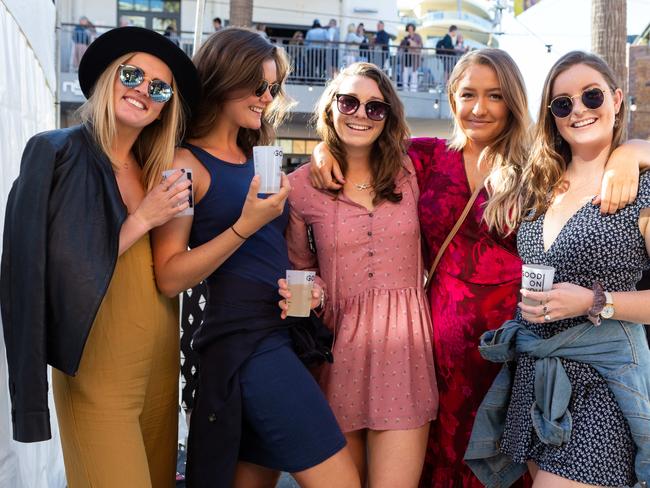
[122, 40]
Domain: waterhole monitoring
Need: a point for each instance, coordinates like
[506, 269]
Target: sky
[565, 25]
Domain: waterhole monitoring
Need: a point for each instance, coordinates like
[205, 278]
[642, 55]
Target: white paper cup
[187, 175]
[268, 165]
[536, 277]
[300, 285]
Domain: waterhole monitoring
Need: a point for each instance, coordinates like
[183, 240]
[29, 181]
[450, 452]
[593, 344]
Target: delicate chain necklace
[362, 186]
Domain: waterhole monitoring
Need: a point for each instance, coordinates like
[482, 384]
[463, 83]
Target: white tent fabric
[27, 86]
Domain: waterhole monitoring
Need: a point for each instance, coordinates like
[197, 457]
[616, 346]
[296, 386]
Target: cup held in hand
[536, 277]
[268, 165]
[300, 286]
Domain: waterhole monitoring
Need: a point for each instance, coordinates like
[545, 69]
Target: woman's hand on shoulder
[620, 183]
[257, 212]
[563, 301]
[164, 201]
[325, 171]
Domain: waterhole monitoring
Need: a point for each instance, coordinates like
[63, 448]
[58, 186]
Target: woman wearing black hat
[77, 285]
[258, 410]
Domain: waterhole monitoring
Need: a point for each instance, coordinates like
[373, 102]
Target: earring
[615, 122]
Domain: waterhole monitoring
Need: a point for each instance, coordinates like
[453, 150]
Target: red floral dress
[475, 288]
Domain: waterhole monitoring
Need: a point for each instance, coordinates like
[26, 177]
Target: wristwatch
[608, 310]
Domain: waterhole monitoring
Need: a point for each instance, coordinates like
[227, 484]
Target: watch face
[608, 311]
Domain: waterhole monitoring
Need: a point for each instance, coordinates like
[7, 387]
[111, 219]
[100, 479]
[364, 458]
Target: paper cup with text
[300, 286]
[536, 277]
[187, 175]
[268, 165]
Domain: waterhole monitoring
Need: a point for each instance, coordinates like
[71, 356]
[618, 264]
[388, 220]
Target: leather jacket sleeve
[23, 293]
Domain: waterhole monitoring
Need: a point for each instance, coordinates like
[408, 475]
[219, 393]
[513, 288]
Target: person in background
[82, 35]
[258, 410]
[334, 37]
[77, 287]
[446, 47]
[216, 24]
[315, 42]
[381, 42]
[352, 42]
[171, 34]
[296, 51]
[476, 283]
[411, 48]
[364, 45]
[366, 250]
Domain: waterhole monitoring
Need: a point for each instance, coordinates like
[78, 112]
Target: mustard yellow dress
[118, 417]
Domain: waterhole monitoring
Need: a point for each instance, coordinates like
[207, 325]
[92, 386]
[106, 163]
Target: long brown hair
[507, 155]
[388, 150]
[550, 154]
[229, 62]
[154, 147]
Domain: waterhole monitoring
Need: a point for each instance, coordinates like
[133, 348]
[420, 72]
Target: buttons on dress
[370, 233]
[371, 274]
[371, 253]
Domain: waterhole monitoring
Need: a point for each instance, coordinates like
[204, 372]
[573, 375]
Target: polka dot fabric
[591, 247]
[370, 264]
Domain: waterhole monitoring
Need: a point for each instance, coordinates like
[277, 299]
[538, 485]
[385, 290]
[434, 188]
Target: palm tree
[609, 34]
[241, 13]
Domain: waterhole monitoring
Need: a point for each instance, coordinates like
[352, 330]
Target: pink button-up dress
[370, 265]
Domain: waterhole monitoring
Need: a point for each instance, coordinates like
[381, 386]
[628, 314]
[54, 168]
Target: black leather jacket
[61, 241]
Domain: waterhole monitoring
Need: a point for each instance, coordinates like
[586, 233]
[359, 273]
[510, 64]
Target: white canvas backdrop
[27, 86]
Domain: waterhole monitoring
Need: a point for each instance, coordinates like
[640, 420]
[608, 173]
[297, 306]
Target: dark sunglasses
[158, 90]
[274, 89]
[349, 104]
[562, 106]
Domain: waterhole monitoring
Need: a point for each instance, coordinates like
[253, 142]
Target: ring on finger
[544, 310]
[547, 318]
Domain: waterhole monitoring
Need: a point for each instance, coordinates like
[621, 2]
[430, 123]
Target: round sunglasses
[132, 76]
[562, 106]
[349, 104]
[274, 89]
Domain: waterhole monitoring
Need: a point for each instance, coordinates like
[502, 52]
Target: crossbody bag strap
[451, 234]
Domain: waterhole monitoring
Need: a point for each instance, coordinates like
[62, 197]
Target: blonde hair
[231, 60]
[550, 154]
[390, 147]
[154, 147]
[507, 155]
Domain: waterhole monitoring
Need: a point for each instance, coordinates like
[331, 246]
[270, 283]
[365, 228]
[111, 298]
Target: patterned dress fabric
[590, 247]
[370, 264]
[474, 289]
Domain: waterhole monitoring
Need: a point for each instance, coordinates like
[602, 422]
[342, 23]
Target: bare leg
[395, 457]
[544, 479]
[249, 475]
[337, 471]
[532, 469]
[357, 446]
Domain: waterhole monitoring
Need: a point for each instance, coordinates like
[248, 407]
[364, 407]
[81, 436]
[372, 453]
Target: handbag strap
[451, 234]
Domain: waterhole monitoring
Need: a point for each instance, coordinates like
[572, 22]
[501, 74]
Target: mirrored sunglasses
[132, 76]
[375, 109]
[562, 106]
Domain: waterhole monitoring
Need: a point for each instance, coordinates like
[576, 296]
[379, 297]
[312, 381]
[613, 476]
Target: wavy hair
[229, 62]
[154, 147]
[507, 155]
[388, 150]
[550, 154]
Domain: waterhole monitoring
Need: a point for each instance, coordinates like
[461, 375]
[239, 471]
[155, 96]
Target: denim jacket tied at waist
[617, 350]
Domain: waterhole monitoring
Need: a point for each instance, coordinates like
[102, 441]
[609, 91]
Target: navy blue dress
[249, 375]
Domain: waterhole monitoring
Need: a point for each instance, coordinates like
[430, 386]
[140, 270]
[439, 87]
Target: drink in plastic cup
[536, 277]
[268, 164]
[187, 175]
[300, 286]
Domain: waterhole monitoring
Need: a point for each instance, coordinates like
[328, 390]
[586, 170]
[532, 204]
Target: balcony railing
[313, 65]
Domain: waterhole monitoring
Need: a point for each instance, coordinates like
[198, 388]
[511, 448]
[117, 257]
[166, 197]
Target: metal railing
[312, 64]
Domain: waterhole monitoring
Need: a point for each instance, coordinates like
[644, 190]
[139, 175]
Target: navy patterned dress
[590, 247]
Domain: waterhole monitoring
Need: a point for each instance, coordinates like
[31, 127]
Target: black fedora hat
[123, 40]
